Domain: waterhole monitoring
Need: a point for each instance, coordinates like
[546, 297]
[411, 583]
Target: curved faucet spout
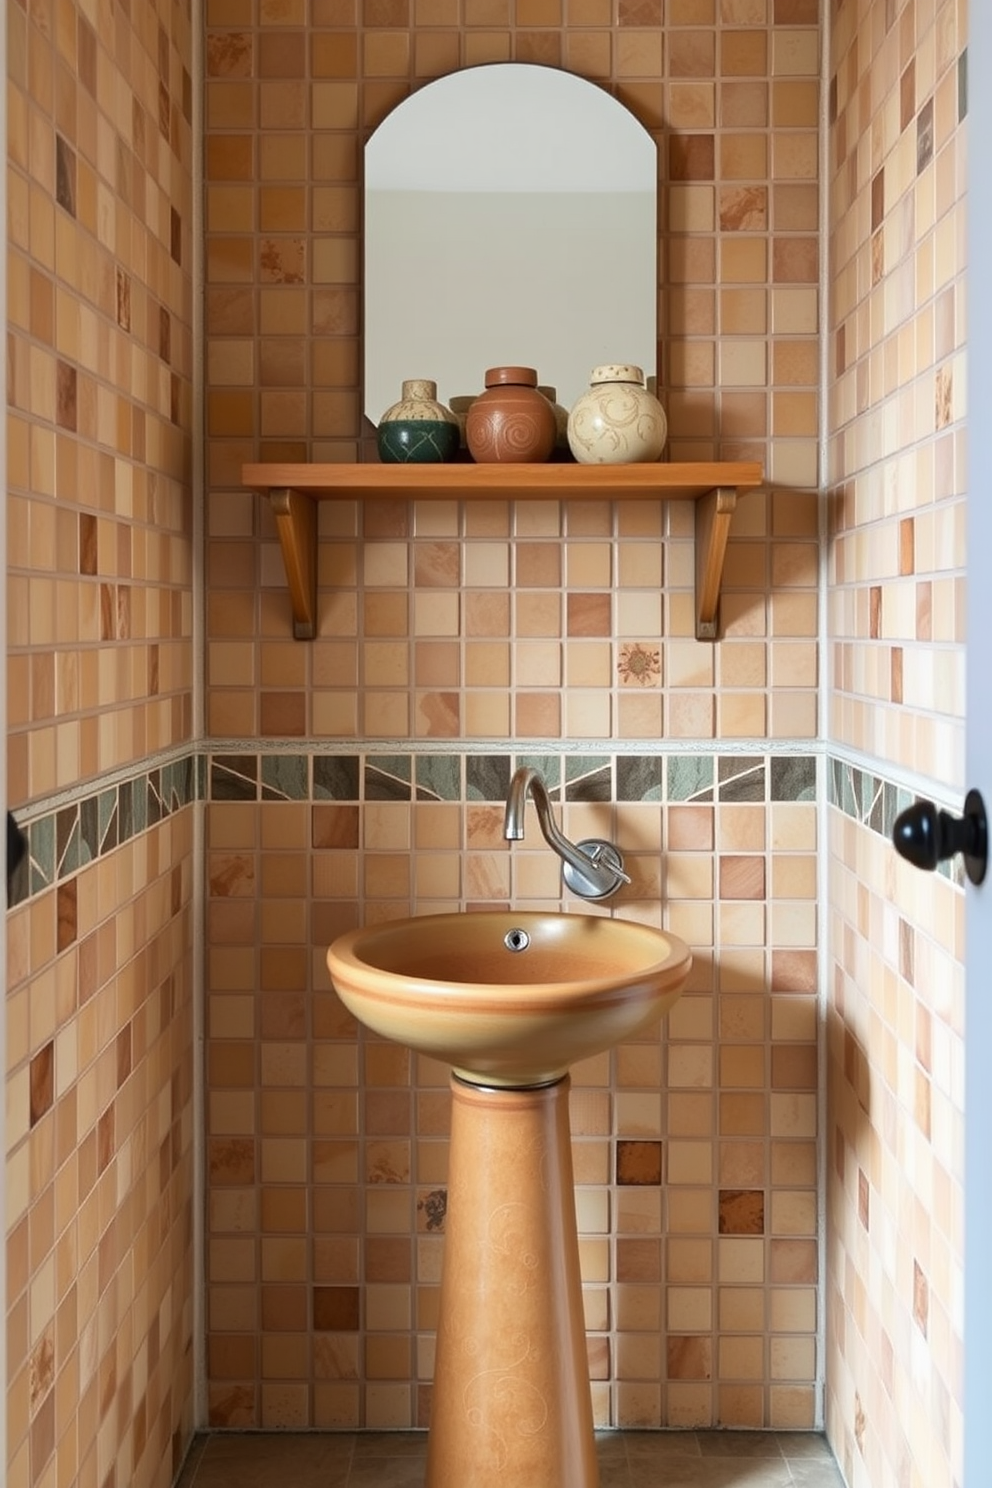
[593, 868]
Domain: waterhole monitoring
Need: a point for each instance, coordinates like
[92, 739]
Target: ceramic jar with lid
[561, 451]
[511, 422]
[617, 421]
[418, 429]
[460, 405]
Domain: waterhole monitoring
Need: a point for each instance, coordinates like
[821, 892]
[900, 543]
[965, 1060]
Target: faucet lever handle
[607, 869]
[606, 854]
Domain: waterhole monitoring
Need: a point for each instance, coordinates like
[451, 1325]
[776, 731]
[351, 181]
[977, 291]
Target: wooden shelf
[294, 491]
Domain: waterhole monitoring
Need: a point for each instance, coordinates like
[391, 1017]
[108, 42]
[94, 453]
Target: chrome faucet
[592, 868]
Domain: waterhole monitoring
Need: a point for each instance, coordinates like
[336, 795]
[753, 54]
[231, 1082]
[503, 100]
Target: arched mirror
[510, 218]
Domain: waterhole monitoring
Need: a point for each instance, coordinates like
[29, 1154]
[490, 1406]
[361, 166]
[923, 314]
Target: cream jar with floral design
[617, 421]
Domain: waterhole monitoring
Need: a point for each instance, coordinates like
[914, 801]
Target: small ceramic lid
[500, 376]
[617, 372]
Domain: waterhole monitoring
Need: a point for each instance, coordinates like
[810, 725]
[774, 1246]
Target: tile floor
[627, 1459]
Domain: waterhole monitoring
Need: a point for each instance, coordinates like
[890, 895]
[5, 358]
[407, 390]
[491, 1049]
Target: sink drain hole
[516, 940]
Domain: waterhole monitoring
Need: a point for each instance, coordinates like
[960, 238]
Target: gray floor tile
[805, 1444]
[614, 1473]
[390, 1444]
[193, 1456]
[658, 1446]
[712, 1472]
[611, 1446]
[816, 1474]
[387, 1472]
[739, 1444]
[271, 1459]
[397, 1459]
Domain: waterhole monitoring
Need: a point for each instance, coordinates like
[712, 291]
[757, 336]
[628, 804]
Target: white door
[978, 991]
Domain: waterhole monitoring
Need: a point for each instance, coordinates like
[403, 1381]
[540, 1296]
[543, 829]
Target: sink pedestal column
[511, 1403]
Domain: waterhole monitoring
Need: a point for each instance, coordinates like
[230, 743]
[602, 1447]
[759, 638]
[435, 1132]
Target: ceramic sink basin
[509, 998]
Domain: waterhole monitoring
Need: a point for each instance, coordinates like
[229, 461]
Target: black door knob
[925, 836]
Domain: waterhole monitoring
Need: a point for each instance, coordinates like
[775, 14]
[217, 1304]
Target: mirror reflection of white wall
[510, 217]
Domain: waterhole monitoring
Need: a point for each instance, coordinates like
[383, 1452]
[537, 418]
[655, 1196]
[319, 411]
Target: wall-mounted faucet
[592, 868]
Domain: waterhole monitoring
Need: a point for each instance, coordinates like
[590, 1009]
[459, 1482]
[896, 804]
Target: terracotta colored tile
[795, 105]
[67, 913]
[742, 1212]
[743, 105]
[541, 48]
[742, 1163]
[794, 1066]
[638, 1260]
[639, 13]
[795, 260]
[335, 826]
[691, 53]
[538, 565]
[796, 13]
[691, 157]
[744, 208]
[742, 877]
[742, 1115]
[794, 971]
[638, 1162]
[42, 1077]
[229, 54]
[588, 614]
[66, 395]
[924, 136]
[744, 53]
[689, 1357]
[792, 1261]
[284, 1309]
[233, 1406]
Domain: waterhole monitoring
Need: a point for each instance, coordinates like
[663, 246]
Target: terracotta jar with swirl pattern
[511, 422]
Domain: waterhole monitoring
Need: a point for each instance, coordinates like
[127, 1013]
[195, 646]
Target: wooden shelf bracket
[296, 524]
[295, 490]
[713, 515]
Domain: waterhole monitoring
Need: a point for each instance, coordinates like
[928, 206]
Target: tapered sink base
[511, 1401]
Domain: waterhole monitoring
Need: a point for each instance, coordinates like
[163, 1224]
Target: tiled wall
[897, 147]
[454, 639]
[695, 1153]
[99, 1010]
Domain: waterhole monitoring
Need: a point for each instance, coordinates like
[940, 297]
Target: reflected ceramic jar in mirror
[561, 450]
[460, 405]
[511, 422]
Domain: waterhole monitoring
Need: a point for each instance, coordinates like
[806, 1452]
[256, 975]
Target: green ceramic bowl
[416, 441]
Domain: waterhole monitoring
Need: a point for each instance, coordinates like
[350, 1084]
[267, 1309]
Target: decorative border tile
[336, 777]
[875, 803]
[68, 837]
[371, 776]
[285, 777]
[64, 840]
[439, 777]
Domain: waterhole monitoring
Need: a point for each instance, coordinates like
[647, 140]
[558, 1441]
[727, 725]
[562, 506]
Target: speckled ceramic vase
[617, 422]
[511, 422]
[418, 429]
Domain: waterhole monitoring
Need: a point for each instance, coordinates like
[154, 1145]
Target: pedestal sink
[510, 1000]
